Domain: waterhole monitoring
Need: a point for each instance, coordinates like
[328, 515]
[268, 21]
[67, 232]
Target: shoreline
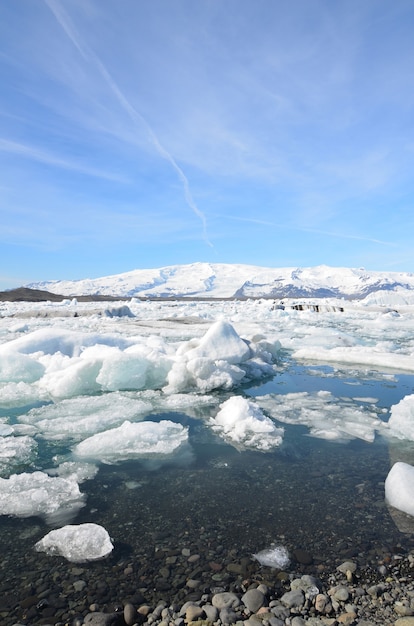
[242, 592]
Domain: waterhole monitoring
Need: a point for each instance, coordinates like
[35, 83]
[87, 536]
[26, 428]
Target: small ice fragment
[77, 543]
[277, 557]
[399, 487]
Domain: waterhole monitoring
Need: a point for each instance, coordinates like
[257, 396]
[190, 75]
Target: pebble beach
[214, 593]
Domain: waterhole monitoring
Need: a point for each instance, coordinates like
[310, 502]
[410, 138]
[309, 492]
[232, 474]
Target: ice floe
[242, 423]
[326, 416]
[133, 440]
[77, 418]
[15, 451]
[54, 498]
[77, 543]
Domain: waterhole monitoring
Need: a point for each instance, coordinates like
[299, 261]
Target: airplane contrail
[302, 229]
[88, 54]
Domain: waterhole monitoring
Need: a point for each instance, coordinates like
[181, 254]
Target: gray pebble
[341, 594]
[225, 600]
[193, 613]
[253, 600]
[294, 598]
[130, 614]
[211, 612]
[228, 616]
[101, 619]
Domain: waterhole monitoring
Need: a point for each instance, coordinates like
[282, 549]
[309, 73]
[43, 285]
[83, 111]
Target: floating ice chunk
[68, 342]
[77, 377]
[77, 543]
[54, 498]
[19, 394]
[399, 487]
[16, 367]
[277, 557]
[242, 423]
[358, 355]
[78, 418]
[326, 416]
[401, 422]
[121, 370]
[75, 471]
[5, 429]
[221, 342]
[15, 451]
[133, 441]
[219, 360]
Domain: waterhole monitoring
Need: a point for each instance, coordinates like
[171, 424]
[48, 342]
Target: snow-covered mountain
[215, 280]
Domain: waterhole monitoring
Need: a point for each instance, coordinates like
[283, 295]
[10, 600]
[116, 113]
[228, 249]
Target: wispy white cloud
[35, 154]
[89, 55]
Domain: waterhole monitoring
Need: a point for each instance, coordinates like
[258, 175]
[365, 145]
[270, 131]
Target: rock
[211, 612]
[298, 621]
[294, 598]
[404, 621]
[253, 600]
[225, 600]
[321, 601]
[402, 609]
[193, 558]
[254, 621]
[303, 556]
[340, 593]
[192, 584]
[235, 568]
[228, 616]
[103, 619]
[144, 610]
[347, 566]
[346, 618]
[193, 613]
[79, 585]
[130, 614]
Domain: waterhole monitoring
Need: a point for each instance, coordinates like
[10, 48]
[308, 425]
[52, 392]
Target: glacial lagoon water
[321, 498]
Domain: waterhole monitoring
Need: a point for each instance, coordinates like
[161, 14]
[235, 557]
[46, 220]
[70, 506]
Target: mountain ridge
[218, 280]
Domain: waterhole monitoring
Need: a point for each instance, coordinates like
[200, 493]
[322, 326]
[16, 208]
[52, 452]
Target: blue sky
[139, 134]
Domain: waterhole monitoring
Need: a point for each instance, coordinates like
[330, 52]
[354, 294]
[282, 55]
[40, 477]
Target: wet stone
[228, 616]
[253, 600]
[294, 598]
[303, 556]
[225, 600]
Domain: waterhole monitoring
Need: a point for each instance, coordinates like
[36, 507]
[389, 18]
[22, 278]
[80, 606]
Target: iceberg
[399, 487]
[242, 423]
[77, 543]
[221, 359]
[221, 343]
[133, 440]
